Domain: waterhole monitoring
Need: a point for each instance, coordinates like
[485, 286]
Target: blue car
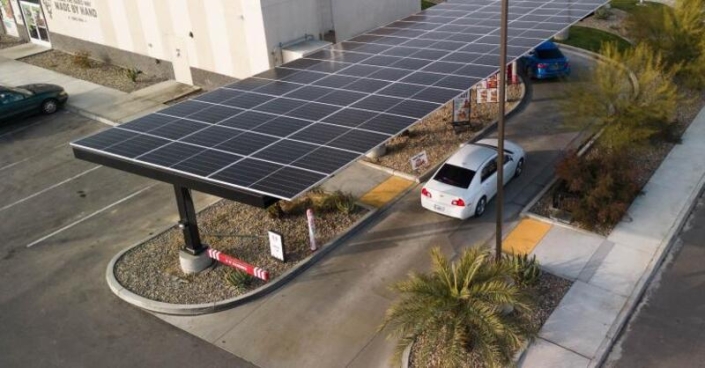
[546, 61]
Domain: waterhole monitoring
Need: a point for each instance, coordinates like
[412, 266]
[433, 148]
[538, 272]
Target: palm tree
[459, 311]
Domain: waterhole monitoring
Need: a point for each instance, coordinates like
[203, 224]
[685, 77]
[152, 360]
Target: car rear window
[453, 175]
[549, 54]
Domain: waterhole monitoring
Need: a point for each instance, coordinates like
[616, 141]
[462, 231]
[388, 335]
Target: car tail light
[458, 202]
[425, 193]
[567, 64]
[542, 65]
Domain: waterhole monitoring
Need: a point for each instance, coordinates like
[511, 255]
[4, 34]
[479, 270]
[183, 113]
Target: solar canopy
[286, 130]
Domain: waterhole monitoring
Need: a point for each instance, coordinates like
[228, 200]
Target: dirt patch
[547, 294]
[9, 41]
[97, 72]
[152, 269]
[436, 136]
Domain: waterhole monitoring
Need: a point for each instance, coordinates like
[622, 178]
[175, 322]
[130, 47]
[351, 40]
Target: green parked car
[16, 102]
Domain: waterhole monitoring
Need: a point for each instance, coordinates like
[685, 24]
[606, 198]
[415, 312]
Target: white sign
[461, 108]
[276, 246]
[418, 160]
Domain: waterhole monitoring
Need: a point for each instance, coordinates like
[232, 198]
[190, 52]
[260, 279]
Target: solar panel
[285, 130]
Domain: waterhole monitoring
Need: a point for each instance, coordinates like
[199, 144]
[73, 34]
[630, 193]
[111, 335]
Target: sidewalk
[610, 273]
[94, 101]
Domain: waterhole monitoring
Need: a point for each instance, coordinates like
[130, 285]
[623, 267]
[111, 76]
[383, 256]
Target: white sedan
[464, 184]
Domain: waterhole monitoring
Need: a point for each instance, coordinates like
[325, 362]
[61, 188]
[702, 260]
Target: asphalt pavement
[668, 329]
[61, 221]
[328, 316]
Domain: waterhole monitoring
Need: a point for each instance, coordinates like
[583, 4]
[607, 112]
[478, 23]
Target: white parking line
[89, 216]
[48, 189]
[11, 132]
[16, 163]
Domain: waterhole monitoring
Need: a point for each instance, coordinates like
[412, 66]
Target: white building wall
[222, 36]
[352, 17]
[237, 38]
[289, 20]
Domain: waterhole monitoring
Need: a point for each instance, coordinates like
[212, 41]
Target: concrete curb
[601, 58]
[642, 285]
[482, 133]
[205, 308]
[90, 115]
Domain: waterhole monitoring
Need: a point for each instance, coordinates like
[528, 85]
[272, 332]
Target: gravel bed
[9, 41]
[100, 73]
[436, 135]
[614, 24]
[152, 269]
[646, 159]
[548, 293]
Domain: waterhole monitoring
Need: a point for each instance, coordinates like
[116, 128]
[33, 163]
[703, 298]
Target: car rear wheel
[519, 169]
[481, 206]
[50, 106]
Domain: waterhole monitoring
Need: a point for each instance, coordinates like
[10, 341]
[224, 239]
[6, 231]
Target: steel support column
[187, 222]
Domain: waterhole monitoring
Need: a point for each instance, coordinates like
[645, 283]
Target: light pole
[500, 126]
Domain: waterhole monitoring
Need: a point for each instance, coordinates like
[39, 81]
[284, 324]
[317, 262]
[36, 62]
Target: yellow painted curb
[524, 238]
[386, 191]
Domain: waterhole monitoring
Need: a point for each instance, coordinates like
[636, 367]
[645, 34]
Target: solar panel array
[284, 131]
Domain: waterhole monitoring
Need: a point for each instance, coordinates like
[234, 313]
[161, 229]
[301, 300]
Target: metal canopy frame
[252, 199]
[287, 95]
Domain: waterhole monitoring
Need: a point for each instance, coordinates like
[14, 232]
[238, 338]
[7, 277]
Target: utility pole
[500, 126]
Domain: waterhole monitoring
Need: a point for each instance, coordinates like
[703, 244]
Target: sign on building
[8, 18]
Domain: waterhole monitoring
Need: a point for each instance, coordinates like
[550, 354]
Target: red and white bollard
[238, 264]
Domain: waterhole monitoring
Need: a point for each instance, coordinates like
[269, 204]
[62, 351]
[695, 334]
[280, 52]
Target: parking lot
[61, 221]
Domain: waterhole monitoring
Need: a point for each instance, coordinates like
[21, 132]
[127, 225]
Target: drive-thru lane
[55, 307]
[329, 315]
[668, 327]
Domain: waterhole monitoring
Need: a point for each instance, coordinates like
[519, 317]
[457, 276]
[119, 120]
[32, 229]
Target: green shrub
[275, 211]
[296, 207]
[238, 279]
[628, 116]
[82, 59]
[317, 200]
[425, 4]
[525, 271]
[132, 74]
[336, 201]
[604, 183]
[677, 33]
[345, 203]
[603, 13]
